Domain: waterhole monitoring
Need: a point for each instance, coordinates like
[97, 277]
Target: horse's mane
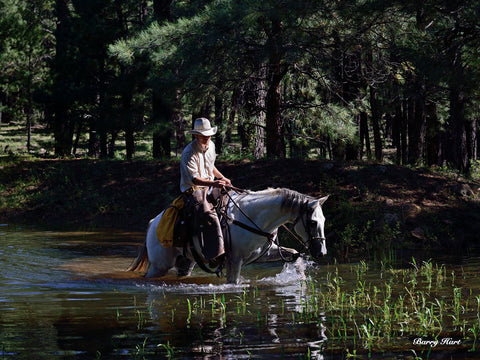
[290, 199]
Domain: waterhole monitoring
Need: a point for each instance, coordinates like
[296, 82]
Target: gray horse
[266, 210]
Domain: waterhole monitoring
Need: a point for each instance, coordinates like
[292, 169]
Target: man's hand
[222, 182]
[226, 181]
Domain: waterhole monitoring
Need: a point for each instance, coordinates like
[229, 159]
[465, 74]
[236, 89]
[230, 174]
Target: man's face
[203, 140]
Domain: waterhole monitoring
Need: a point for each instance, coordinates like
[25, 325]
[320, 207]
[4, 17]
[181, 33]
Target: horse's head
[310, 226]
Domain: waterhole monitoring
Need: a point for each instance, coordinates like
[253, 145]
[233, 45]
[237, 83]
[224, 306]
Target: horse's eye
[312, 223]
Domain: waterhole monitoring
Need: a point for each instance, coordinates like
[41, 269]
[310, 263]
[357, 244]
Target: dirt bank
[421, 208]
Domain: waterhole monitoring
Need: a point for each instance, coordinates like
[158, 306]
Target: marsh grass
[364, 311]
[408, 303]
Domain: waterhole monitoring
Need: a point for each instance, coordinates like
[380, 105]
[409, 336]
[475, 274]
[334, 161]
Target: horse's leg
[273, 254]
[184, 265]
[153, 272]
[161, 259]
[233, 270]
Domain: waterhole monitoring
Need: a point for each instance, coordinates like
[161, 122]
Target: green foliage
[111, 67]
[26, 46]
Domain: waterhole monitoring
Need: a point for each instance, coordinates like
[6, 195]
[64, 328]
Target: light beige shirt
[196, 163]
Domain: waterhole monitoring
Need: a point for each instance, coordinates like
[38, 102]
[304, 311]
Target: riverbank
[372, 208]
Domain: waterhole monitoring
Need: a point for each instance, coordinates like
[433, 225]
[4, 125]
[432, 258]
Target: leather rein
[257, 230]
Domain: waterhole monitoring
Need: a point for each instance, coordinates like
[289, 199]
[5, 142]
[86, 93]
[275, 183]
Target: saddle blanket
[166, 225]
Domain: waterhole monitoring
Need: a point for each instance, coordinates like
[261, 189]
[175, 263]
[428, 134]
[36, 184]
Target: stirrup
[219, 261]
[219, 271]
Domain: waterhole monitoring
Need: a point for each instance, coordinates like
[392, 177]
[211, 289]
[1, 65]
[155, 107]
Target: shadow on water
[65, 295]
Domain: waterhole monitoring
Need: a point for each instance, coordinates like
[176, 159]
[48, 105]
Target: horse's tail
[141, 263]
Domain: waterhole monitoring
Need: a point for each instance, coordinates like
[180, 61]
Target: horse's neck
[266, 211]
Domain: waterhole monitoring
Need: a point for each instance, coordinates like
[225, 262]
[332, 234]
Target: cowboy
[198, 176]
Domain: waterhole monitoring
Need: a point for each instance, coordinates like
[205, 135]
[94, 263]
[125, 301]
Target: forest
[331, 79]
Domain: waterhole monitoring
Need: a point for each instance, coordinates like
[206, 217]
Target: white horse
[253, 219]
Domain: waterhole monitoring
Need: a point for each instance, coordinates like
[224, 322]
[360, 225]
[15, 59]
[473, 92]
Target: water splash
[292, 273]
[290, 277]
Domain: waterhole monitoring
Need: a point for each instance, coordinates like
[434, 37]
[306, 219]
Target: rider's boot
[216, 262]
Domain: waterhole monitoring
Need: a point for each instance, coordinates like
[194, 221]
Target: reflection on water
[65, 295]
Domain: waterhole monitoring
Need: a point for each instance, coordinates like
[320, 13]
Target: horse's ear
[318, 202]
[322, 200]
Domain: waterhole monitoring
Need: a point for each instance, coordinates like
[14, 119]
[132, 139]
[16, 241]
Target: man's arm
[212, 183]
[222, 180]
[219, 175]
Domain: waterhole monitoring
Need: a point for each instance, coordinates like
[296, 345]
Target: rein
[257, 230]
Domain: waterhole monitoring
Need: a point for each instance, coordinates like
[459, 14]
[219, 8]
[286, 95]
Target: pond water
[65, 295]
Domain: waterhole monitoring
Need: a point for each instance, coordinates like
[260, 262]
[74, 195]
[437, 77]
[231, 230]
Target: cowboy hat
[202, 126]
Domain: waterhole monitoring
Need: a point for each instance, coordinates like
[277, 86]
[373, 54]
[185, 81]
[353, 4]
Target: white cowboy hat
[202, 126]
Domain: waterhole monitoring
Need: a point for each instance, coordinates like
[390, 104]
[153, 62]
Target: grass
[13, 141]
[403, 305]
[361, 315]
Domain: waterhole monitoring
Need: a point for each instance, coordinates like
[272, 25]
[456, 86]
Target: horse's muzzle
[317, 247]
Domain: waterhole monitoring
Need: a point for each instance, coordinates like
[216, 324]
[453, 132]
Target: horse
[253, 218]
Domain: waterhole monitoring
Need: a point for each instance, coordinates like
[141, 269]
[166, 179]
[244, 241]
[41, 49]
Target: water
[65, 295]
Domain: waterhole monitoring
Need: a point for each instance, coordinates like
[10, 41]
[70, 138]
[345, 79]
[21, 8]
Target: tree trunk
[111, 144]
[29, 111]
[219, 137]
[94, 121]
[404, 131]
[478, 141]
[204, 110]
[396, 131]
[243, 134]
[77, 136]
[472, 139]
[352, 81]
[457, 120]
[364, 136]
[156, 147]
[397, 124]
[162, 117]
[129, 141]
[163, 112]
[457, 111]
[234, 108]
[354, 149]
[254, 111]
[104, 146]
[377, 139]
[62, 128]
[432, 136]
[178, 124]
[93, 143]
[417, 124]
[128, 124]
[273, 120]
[259, 147]
[161, 9]
[274, 138]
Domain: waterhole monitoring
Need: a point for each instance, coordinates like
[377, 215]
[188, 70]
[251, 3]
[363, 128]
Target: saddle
[202, 219]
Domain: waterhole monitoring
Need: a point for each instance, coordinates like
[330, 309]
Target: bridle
[271, 236]
[307, 226]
